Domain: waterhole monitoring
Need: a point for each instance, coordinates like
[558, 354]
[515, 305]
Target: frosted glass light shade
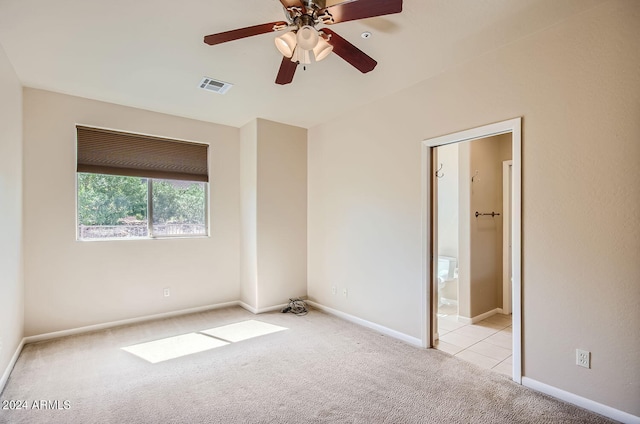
[307, 37]
[322, 49]
[286, 43]
[303, 57]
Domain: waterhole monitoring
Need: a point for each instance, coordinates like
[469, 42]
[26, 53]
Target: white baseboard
[478, 318]
[272, 308]
[79, 330]
[373, 326]
[464, 320]
[247, 307]
[598, 408]
[12, 363]
[261, 310]
[86, 329]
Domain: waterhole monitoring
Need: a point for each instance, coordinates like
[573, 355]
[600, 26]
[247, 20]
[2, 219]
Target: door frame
[513, 126]
[507, 171]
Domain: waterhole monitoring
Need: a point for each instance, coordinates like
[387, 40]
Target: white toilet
[447, 272]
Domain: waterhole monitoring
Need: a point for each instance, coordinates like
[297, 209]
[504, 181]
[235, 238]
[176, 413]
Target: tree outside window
[118, 207]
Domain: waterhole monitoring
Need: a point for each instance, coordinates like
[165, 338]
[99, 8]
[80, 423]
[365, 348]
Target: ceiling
[150, 54]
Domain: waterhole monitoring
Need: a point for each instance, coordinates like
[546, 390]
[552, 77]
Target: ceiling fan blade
[236, 34]
[361, 9]
[356, 57]
[286, 72]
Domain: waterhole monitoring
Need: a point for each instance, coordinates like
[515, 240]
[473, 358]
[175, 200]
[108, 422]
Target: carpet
[318, 369]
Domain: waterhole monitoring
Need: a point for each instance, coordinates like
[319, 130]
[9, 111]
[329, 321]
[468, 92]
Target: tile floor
[486, 343]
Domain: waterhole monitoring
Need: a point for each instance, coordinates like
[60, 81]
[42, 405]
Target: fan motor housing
[304, 20]
[314, 4]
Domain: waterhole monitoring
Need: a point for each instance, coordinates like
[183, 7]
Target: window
[132, 186]
[178, 207]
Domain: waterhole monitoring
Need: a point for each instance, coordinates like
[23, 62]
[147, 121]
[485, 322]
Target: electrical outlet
[167, 292]
[334, 290]
[345, 292]
[583, 358]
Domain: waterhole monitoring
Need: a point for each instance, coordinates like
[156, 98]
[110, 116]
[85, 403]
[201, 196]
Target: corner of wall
[248, 220]
[273, 213]
[11, 214]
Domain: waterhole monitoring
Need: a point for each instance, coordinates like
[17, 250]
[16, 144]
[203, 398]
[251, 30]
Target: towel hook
[439, 173]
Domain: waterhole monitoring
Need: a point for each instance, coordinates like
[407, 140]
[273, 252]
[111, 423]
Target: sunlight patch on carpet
[243, 330]
[174, 347]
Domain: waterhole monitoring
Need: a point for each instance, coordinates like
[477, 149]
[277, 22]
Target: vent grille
[219, 87]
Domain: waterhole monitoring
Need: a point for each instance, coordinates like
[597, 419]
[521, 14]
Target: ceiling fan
[304, 42]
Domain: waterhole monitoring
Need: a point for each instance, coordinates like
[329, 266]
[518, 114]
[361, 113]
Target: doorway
[482, 220]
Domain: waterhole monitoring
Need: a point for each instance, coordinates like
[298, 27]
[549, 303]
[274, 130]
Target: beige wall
[70, 284]
[485, 273]
[576, 85]
[274, 213]
[11, 275]
[248, 214]
[282, 213]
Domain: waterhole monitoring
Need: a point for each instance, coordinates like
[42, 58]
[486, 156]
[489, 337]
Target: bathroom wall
[447, 188]
[486, 157]
[448, 200]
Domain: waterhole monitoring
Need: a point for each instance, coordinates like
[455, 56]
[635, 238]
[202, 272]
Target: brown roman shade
[134, 155]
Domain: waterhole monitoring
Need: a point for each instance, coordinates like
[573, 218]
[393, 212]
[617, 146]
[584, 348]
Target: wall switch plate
[334, 290]
[583, 358]
[167, 292]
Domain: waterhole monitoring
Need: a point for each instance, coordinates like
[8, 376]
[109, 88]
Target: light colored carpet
[320, 370]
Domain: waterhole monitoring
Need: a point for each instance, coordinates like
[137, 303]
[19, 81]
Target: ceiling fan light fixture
[301, 56]
[322, 49]
[301, 43]
[286, 43]
[307, 37]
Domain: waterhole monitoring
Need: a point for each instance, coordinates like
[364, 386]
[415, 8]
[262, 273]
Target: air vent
[219, 87]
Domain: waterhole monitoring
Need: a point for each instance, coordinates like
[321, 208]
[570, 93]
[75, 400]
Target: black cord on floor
[296, 306]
